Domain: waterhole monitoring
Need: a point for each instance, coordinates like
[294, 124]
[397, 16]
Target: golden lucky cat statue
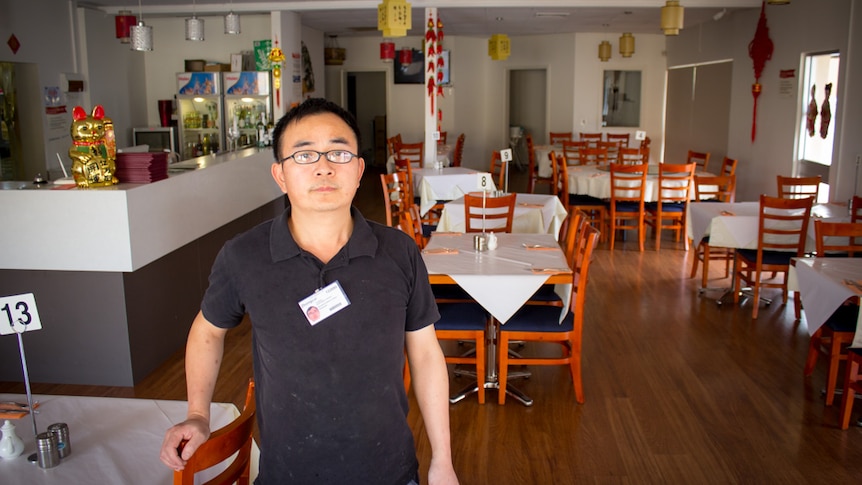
[94, 148]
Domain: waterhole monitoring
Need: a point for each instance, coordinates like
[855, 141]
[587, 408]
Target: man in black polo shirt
[333, 300]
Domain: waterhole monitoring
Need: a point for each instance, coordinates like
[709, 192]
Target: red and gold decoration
[499, 47]
[94, 148]
[434, 49]
[123, 23]
[825, 112]
[760, 50]
[276, 58]
[394, 18]
[387, 51]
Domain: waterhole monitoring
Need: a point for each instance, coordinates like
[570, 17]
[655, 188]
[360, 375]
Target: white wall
[796, 29]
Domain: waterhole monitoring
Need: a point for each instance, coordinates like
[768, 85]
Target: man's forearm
[204, 351]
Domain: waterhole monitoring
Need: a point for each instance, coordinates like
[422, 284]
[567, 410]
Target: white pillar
[431, 105]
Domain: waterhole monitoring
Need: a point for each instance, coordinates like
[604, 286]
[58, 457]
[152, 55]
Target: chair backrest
[411, 224]
[856, 211]
[844, 238]
[234, 437]
[798, 187]
[728, 166]
[496, 209]
[572, 150]
[393, 143]
[556, 137]
[593, 156]
[560, 183]
[674, 183]
[592, 139]
[645, 148]
[459, 151]
[442, 139]
[621, 139]
[583, 256]
[631, 156]
[415, 152]
[396, 195]
[498, 169]
[628, 183]
[783, 225]
[721, 188]
[571, 234]
[700, 158]
[611, 148]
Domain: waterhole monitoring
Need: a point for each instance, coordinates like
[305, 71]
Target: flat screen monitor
[159, 138]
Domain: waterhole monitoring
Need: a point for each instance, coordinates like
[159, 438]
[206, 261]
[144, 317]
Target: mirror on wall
[621, 105]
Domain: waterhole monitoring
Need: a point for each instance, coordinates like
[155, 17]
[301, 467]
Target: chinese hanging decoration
[434, 49]
[276, 57]
[811, 114]
[760, 50]
[825, 112]
[499, 47]
[394, 18]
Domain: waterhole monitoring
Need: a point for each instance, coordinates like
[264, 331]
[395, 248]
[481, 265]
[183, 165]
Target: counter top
[127, 226]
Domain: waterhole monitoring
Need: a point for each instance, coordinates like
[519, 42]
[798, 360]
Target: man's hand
[441, 472]
[195, 431]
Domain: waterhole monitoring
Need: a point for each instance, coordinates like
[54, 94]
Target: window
[816, 131]
[621, 104]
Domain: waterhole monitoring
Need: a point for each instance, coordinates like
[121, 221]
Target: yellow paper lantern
[671, 17]
[499, 47]
[605, 51]
[393, 18]
[627, 44]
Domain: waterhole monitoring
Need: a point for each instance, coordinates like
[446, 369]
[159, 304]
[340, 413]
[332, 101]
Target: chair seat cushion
[427, 229]
[581, 199]
[546, 293]
[461, 316]
[843, 319]
[628, 207]
[532, 318]
[769, 257]
[666, 207]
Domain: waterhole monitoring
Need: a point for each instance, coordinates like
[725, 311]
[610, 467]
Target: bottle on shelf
[199, 147]
[261, 132]
[206, 144]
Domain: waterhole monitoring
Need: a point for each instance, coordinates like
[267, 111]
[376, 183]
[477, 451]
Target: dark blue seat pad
[769, 257]
[461, 316]
[532, 318]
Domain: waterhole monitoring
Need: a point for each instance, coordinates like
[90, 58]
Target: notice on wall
[787, 83]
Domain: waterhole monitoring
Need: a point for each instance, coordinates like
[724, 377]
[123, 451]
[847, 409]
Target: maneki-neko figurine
[94, 148]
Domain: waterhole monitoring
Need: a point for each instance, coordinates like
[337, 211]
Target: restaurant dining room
[640, 221]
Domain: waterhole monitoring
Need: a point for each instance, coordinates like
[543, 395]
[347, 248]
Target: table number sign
[18, 314]
[484, 182]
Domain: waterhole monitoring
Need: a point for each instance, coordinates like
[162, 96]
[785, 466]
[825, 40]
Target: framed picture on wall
[413, 73]
[445, 69]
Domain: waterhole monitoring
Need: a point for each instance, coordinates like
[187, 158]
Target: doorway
[527, 108]
[366, 101]
[22, 146]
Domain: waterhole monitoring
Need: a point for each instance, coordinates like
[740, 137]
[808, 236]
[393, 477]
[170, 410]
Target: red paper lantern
[123, 22]
[387, 51]
[405, 56]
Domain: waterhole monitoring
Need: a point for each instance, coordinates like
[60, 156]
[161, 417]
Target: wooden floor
[678, 390]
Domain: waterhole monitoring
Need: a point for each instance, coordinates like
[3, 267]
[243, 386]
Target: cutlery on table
[853, 284]
[539, 246]
[550, 270]
[441, 251]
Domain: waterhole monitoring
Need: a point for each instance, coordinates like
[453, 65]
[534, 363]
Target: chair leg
[797, 305]
[657, 230]
[832, 373]
[480, 367]
[847, 399]
[612, 232]
[575, 365]
[756, 297]
[503, 362]
[705, 277]
[641, 233]
[813, 352]
[694, 260]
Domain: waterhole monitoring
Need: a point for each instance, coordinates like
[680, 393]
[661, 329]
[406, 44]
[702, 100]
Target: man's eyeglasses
[307, 157]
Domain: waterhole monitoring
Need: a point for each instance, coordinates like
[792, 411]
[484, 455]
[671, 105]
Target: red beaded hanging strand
[760, 50]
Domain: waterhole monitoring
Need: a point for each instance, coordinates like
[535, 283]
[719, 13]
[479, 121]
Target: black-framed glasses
[307, 157]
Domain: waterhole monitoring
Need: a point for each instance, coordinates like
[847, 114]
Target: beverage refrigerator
[200, 112]
[247, 107]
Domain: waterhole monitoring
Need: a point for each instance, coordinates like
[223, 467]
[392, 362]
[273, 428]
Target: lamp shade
[605, 51]
[671, 17]
[387, 51]
[231, 24]
[393, 18]
[141, 37]
[194, 29]
[405, 56]
[499, 47]
[627, 44]
[123, 23]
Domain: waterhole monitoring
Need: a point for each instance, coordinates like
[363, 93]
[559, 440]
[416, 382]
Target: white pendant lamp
[194, 26]
[141, 35]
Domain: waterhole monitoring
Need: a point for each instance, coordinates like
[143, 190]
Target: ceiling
[460, 17]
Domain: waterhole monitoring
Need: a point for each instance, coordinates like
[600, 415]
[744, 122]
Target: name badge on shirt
[323, 303]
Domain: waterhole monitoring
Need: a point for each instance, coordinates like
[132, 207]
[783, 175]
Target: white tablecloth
[534, 213]
[500, 280]
[735, 225]
[595, 181]
[820, 282]
[443, 155]
[114, 441]
[449, 183]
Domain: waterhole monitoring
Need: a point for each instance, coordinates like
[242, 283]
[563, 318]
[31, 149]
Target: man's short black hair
[311, 107]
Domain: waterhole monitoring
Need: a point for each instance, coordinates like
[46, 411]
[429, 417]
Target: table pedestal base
[510, 390]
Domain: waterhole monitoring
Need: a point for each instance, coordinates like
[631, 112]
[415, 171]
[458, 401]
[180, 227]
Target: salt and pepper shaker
[47, 453]
[61, 431]
[492, 241]
[10, 445]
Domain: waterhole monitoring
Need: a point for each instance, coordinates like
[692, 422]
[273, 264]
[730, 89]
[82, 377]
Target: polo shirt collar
[282, 246]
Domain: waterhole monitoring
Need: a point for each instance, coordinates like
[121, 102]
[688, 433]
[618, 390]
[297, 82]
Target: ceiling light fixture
[141, 36]
[627, 44]
[122, 23]
[231, 22]
[194, 26]
[605, 51]
[671, 17]
[499, 47]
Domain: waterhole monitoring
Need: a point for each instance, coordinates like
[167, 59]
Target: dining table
[500, 280]
[534, 214]
[824, 284]
[543, 163]
[113, 440]
[595, 181]
[435, 184]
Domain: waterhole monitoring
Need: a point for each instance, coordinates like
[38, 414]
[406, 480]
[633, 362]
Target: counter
[118, 272]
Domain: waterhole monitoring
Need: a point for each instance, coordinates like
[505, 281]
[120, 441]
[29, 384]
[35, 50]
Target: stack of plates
[142, 168]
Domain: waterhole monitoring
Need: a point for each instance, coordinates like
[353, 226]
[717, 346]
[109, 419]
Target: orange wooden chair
[836, 334]
[674, 187]
[397, 195]
[558, 137]
[235, 437]
[719, 189]
[852, 385]
[594, 156]
[856, 212]
[459, 151]
[592, 139]
[621, 139]
[533, 168]
[628, 188]
[465, 321]
[631, 156]
[783, 225]
[593, 208]
[699, 158]
[442, 139]
[645, 148]
[498, 170]
[410, 222]
[541, 323]
[496, 209]
[572, 151]
[393, 143]
[798, 187]
[415, 152]
[728, 166]
[612, 149]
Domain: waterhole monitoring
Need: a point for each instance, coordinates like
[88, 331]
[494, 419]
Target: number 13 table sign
[18, 314]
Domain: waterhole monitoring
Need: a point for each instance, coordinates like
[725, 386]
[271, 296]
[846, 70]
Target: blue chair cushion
[545, 293]
[769, 257]
[843, 319]
[581, 199]
[666, 207]
[461, 316]
[533, 318]
[427, 229]
[628, 207]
